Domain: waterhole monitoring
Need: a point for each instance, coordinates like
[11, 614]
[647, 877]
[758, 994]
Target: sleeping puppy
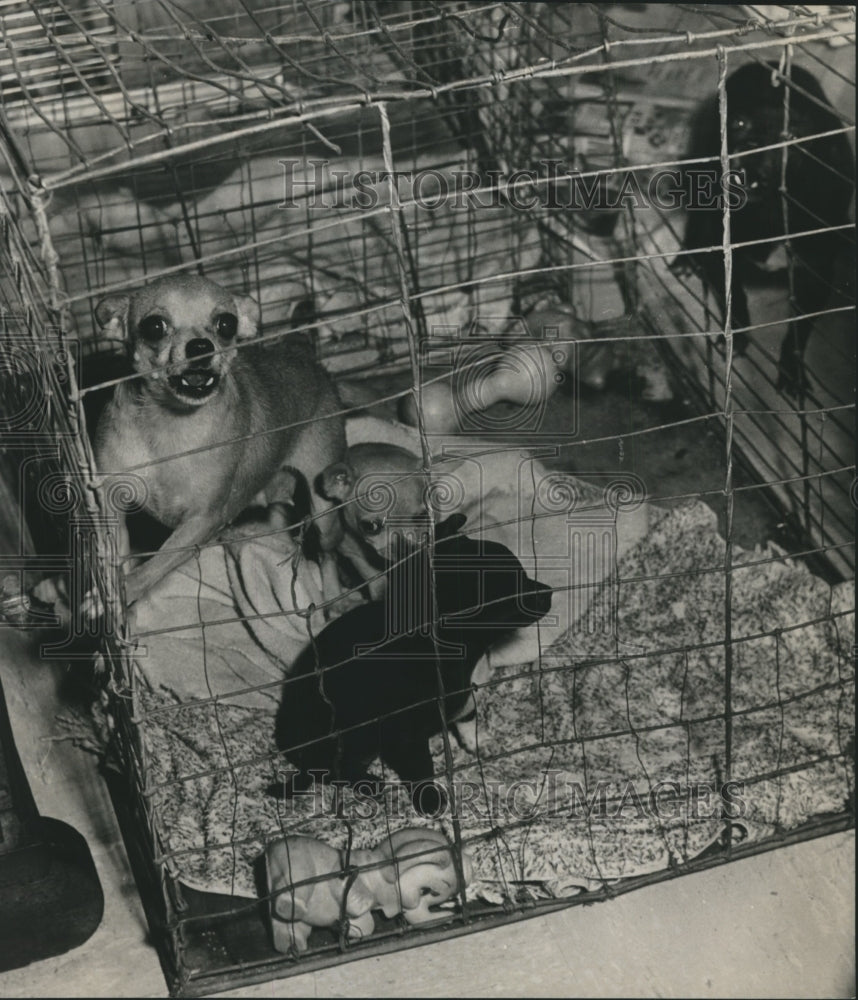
[819, 187]
[213, 420]
[369, 685]
[383, 492]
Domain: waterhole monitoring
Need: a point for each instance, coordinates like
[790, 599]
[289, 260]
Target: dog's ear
[337, 481]
[303, 315]
[450, 525]
[111, 314]
[249, 315]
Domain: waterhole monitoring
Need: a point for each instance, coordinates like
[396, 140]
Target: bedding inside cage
[596, 761]
[599, 751]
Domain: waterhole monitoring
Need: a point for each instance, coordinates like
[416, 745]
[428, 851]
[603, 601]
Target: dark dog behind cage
[475, 208]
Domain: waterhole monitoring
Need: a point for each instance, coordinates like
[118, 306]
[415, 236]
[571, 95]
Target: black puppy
[377, 687]
[819, 186]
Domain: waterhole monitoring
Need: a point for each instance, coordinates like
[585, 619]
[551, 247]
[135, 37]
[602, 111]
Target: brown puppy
[383, 490]
[213, 420]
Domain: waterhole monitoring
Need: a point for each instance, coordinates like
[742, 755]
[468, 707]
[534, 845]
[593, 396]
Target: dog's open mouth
[194, 383]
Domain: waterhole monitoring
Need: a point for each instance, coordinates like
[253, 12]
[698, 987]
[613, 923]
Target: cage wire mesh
[253, 142]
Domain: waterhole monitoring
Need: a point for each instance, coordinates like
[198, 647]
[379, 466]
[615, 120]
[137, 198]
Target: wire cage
[412, 173]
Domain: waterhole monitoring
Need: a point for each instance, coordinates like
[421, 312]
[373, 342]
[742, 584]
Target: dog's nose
[199, 345]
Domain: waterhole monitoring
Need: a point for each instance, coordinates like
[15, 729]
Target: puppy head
[383, 489]
[755, 118]
[482, 584]
[181, 332]
[761, 171]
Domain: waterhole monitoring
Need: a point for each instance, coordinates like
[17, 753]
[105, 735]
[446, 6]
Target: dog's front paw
[92, 606]
[234, 534]
[465, 731]
[682, 266]
[21, 610]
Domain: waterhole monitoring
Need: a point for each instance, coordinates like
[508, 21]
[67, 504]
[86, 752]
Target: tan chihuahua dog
[383, 490]
[210, 423]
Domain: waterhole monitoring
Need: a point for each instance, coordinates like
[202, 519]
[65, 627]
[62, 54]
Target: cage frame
[161, 894]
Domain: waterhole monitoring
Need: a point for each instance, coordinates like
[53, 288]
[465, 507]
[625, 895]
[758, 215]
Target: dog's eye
[226, 325]
[153, 328]
[738, 124]
[372, 527]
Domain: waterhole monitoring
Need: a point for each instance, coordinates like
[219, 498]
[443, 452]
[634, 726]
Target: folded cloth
[193, 641]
